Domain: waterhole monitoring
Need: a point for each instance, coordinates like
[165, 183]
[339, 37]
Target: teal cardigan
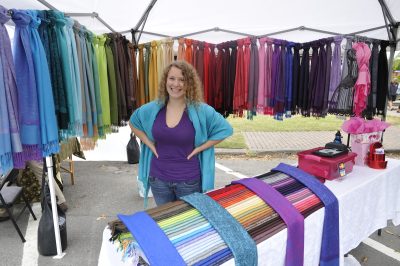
[208, 125]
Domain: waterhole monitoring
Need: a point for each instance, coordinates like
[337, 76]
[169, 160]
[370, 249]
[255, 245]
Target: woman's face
[175, 83]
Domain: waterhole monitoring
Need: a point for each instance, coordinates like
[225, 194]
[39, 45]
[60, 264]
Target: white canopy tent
[256, 17]
[219, 21]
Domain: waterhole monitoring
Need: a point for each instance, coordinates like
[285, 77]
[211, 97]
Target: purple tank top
[173, 146]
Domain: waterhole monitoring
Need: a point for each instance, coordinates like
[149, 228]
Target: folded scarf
[330, 234]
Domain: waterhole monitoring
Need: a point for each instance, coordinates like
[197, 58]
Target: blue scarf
[231, 231]
[10, 141]
[158, 249]
[29, 119]
[47, 114]
[330, 234]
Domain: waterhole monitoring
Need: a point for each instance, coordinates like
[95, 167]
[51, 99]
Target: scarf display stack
[198, 243]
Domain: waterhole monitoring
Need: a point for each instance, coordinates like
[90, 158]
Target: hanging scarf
[279, 81]
[319, 85]
[231, 48]
[153, 76]
[328, 52]
[246, 75]
[95, 89]
[64, 41]
[268, 78]
[104, 90]
[133, 70]
[238, 95]
[261, 76]
[226, 96]
[48, 121]
[200, 60]
[373, 69]
[335, 76]
[146, 72]
[57, 83]
[168, 51]
[304, 80]
[383, 79]
[219, 78]
[189, 51]
[212, 79]
[363, 84]
[160, 60]
[288, 78]
[87, 112]
[181, 49]
[315, 66]
[206, 59]
[75, 74]
[11, 155]
[29, 118]
[295, 78]
[141, 93]
[342, 99]
[253, 79]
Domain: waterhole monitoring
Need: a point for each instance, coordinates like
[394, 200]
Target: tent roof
[256, 17]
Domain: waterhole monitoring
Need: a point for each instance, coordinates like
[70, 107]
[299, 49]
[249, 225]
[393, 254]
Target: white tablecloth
[367, 198]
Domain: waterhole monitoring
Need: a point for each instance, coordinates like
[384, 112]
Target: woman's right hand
[143, 137]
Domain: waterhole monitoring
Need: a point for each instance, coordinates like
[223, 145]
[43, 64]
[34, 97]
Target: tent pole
[93, 15]
[367, 30]
[49, 164]
[47, 4]
[145, 15]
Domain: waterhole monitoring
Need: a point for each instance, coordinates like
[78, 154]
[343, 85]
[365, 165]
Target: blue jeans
[168, 191]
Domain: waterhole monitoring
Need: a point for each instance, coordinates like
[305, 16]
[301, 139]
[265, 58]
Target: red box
[326, 167]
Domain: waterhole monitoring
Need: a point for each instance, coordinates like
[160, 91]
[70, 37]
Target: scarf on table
[10, 139]
[47, 114]
[29, 118]
[330, 234]
[235, 236]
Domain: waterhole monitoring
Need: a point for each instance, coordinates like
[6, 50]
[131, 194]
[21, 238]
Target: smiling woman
[178, 133]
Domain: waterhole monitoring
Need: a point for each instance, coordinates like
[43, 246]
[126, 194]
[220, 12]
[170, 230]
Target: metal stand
[49, 163]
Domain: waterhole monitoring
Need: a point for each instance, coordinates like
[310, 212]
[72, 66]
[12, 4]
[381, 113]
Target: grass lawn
[297, 123]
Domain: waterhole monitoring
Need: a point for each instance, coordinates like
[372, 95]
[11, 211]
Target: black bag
[133, 150]
[46, 238]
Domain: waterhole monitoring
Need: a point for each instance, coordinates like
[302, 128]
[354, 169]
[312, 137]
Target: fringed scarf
[47, 114]
[29, 118]
[10, 140]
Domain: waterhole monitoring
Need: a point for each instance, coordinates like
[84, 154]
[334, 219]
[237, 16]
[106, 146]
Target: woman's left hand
[193, 153]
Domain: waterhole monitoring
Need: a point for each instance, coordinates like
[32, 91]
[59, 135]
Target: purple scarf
[10, 140]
